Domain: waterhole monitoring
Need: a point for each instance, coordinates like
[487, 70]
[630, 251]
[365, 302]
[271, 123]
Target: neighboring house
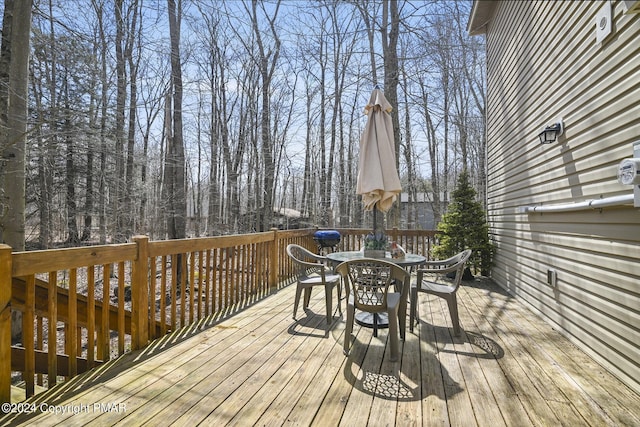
[566, 231]
[288, 219]
[422, 211]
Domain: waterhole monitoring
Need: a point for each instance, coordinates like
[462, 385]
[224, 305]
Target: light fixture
[550, 133]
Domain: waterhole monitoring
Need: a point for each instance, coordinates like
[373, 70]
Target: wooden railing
[413, 241]
[84, 306]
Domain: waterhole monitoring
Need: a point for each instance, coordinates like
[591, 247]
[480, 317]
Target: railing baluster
[27, 335]
[174, 289]
[104, 337]
[52, 337]
[152, 298]
[192, 279]
[216, 303]
[258, 261]
[228, 271]
[121, 301]
[235, 277]
[91, 315]
[72, 335]
[246, 271]
[163, 296]
[224, 271]
[183, 287]
[201, 285]
[245, 277]
[253, 266]
[207, 278]
[39, 344]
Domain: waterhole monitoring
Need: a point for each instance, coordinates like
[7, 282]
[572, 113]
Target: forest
[175, 118]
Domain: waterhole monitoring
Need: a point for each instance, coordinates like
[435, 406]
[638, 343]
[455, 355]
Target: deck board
[434, 401]
[487, 355]
[261, 367]
[515, 363]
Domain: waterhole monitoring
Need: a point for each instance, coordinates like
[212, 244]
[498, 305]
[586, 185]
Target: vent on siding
[633, 6]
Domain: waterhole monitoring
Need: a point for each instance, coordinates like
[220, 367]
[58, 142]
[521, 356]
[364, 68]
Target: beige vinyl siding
[543, 63]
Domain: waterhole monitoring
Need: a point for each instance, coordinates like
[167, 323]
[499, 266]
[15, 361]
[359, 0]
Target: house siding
[543, 63]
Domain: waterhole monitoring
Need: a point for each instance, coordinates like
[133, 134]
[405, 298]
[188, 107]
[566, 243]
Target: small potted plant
[375, 245]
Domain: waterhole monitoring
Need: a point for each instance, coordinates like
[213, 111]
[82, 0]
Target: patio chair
[442, 279]
[368, 284]
[311, 271]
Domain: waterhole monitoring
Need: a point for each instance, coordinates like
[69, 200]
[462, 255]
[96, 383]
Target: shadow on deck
[262, 367]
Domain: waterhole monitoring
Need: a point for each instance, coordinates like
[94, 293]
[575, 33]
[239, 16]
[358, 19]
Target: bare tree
[226, 150]
[103, 105]
[175, 159]
[343, 32]
[390, 31]
[45, 174]
[152, 92]
[132, 59]
[409, 156]
[121, 88]
[266, 62]
[73, 237]
[14, 77]
[44, 83]
[472, 69]
[368, 11]
[265, 88]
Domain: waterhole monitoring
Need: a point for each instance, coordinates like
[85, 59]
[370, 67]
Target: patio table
[408, 261]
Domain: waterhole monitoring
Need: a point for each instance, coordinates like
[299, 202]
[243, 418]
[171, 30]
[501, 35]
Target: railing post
[5, 323]
[140, 295]
[274, 261]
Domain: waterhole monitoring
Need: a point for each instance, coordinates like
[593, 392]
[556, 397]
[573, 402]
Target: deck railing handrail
[99, 296]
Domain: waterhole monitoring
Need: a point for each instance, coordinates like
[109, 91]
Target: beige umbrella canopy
[378, 180]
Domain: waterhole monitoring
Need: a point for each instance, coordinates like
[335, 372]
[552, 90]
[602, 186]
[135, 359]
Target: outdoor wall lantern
[550, 133]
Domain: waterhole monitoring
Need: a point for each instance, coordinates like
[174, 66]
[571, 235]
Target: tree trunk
[215, 122]
[14, 75]
[73, 237]
[121, 93]
[266, 64]
[45, 181]
[390, 33]
[14, 120]
[102, 200]
[409, 158]
[129, 210]
[177, 221]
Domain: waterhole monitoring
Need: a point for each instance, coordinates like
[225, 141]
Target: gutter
[587, 204]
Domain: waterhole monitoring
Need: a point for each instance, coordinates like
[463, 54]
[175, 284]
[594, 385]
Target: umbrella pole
[375, 219]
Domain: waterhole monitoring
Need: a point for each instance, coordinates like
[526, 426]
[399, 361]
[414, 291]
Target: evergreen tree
[465, 226]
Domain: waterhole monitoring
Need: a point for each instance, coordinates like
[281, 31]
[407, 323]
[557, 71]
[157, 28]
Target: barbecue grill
[326, 239]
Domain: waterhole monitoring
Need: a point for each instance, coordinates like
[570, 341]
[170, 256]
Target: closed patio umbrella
[378, 180]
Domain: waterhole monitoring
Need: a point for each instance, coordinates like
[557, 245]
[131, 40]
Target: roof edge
[481, 14]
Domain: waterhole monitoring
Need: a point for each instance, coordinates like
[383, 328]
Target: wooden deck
[262, 368]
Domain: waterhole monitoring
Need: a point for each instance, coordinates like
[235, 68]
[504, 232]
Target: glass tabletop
[407, 261]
